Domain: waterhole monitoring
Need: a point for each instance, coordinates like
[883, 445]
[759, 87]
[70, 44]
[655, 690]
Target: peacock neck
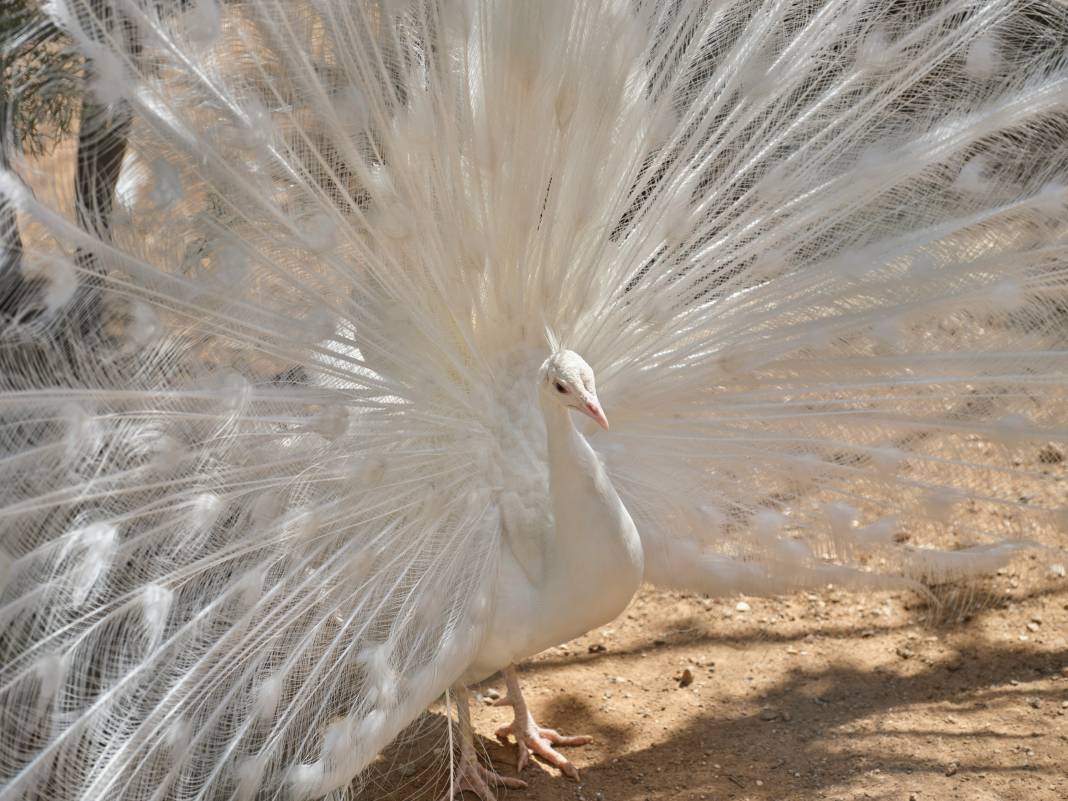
[584, 503]
[593, 557]
[567, 447]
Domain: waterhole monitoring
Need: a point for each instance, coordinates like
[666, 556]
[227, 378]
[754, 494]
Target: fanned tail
[845, 330]
[277, 304]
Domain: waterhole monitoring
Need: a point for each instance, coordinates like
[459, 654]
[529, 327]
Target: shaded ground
[826, 695]
[818, 696]
[838, 700]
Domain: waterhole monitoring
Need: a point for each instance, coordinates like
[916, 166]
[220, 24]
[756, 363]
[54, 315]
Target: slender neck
[572, 462]
[569, 464]
[559, 432]
[592, 530]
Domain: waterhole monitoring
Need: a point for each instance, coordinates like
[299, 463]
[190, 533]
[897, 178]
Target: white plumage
[281, 455]
[576, 561]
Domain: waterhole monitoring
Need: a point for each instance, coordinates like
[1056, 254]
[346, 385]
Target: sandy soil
[827, 695]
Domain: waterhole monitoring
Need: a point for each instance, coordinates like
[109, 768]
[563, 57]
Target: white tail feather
[265, 402]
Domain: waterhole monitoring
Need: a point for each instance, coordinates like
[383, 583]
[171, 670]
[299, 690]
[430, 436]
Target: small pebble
[1035, 703]
[686, 679]
[1051, 454]
[597, 648]
[741, 606]
[951, 769]
[769, 714]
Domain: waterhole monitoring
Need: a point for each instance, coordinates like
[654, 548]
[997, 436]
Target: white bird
[298, 421]
[560, 575]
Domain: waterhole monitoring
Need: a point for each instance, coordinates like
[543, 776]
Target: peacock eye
[561, 388]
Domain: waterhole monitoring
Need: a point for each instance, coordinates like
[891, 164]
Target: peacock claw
[472, 777]
[533, 739]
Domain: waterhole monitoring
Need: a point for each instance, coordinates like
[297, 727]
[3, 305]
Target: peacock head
[567, 379]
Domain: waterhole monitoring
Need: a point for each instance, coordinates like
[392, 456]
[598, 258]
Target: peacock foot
[533, 739]
[472, 777]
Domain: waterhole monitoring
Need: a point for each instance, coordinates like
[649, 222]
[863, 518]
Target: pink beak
[593, 409]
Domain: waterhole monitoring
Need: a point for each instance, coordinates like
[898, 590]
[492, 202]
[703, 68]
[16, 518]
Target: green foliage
[40, 79]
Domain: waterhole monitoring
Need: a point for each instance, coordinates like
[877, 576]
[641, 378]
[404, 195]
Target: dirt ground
[826, 695]
[820, 696]
[823, 695]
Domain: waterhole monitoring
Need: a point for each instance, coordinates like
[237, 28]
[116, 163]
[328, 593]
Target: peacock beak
[594, 410]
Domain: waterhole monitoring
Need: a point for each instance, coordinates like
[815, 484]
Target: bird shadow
[415, 766]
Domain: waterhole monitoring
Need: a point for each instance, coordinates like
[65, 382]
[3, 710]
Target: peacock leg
[470, 776]
[529, 736]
